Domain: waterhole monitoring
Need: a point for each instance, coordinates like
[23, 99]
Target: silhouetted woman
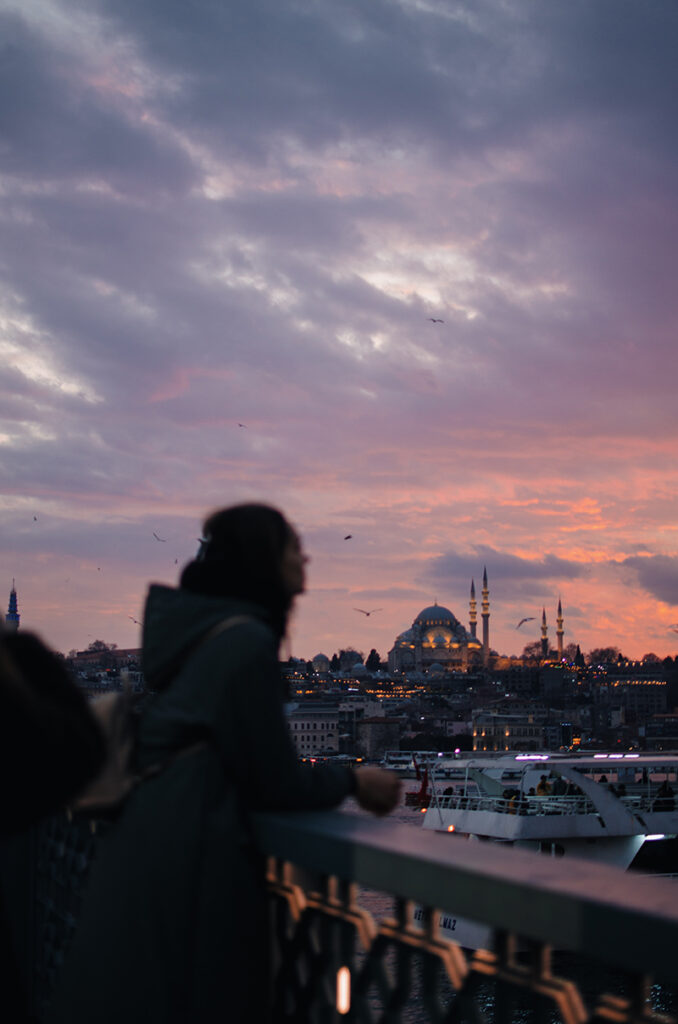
[174, 926]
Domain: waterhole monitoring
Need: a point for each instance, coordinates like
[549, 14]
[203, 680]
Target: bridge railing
[565, 941]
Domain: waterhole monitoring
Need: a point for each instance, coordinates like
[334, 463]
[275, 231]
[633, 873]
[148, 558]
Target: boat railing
[647, 803]
[333, 960]
[523, 805]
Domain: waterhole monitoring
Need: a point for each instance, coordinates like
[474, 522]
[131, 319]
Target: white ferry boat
[601, 807]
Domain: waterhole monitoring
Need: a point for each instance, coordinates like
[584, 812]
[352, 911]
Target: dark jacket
[173, 927]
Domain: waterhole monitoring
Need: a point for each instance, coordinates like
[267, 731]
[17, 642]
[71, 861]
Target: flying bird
[134, 620]
[434, 320]
[162, 539]
[348, 536]
[243, 425]
[530, 618]
[371, 612]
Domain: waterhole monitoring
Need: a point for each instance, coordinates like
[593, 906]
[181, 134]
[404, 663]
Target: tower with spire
[12, 617]
[559, 630]
[486, 619]
[544, 635]
[473, 612]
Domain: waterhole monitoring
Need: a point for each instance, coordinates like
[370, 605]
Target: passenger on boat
[174, 924]
[543, 786]
[559, 786]
[665, 799]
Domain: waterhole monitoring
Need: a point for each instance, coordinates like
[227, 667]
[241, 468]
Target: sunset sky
[215, 214]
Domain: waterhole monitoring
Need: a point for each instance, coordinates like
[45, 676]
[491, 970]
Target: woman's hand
[377, 790]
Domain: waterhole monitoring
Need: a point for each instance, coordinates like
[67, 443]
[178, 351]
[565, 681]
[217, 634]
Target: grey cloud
[394, 72]
[502, 567]
[54, 127]
[657, 574]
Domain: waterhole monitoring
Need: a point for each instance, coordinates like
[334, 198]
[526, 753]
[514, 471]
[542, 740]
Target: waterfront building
[374, 736]
[314, 727]
[495, 730]
[640, 695]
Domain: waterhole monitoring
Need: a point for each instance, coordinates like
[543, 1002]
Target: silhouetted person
[559, 786]
[50, 748]
[543, 786]
[665, 799]
[50, 744]
[174, 923]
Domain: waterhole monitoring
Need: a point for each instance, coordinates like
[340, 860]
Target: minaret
[486, 620]
[12, 617]
[473, 614]
[560, 631]
[544, 635]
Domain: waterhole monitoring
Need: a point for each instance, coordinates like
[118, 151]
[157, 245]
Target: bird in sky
[674, 627]
[243, 425]
[134, 620]
[348, 536]
[530, 618]
[162, 539]
[35, 519]
[371, 612]
[434, 320]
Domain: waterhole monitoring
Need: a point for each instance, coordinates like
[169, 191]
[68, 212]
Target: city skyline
[404, 271]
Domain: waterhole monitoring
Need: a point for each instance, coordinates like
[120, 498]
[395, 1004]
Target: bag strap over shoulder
[163, 679]
[220, 627]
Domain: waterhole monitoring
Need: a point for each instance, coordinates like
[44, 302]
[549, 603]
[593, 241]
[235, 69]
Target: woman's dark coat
[174, 927]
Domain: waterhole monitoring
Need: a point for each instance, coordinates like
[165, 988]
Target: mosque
[436, 640]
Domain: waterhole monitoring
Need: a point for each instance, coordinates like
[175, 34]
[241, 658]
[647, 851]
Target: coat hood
[174, 622]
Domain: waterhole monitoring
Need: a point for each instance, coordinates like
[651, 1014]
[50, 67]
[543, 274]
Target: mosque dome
[436, 615]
